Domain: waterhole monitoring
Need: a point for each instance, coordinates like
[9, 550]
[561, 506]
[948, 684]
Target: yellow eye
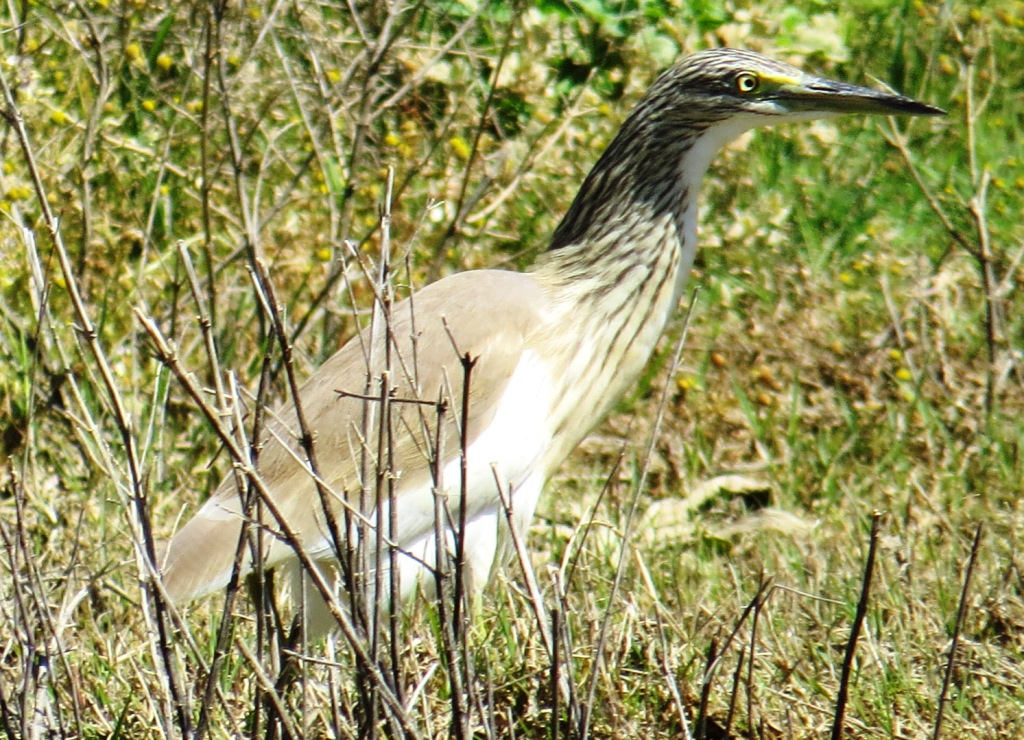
[747, 82]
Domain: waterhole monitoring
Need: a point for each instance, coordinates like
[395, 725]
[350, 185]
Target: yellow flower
[164, 62]
[459, 146]
[149, 105]
[686, 383]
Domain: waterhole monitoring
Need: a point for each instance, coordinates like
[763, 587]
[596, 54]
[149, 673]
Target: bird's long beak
[828, 96]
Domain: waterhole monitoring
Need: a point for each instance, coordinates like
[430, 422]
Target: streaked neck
[619, 261]
[639, 201]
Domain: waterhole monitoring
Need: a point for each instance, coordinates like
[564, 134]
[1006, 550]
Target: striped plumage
[555, 346]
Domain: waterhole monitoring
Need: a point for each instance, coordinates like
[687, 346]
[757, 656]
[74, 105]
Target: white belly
[505, 464]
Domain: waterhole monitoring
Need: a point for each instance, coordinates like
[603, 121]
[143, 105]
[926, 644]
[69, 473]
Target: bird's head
[720, 85]
[665, 146]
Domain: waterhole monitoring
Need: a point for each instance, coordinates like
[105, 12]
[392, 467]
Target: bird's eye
[747, 82]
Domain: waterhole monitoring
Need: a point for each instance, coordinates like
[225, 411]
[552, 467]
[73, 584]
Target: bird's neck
[638, 204]
[617, 265]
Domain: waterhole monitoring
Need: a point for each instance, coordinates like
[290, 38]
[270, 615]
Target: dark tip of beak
[842, 97]
[909, 106]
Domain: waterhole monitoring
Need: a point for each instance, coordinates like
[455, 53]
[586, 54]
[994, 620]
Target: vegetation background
[855, 348]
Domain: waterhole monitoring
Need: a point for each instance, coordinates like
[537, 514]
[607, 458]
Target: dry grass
[855, 348]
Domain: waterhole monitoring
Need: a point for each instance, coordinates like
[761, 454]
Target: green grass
[841, 356]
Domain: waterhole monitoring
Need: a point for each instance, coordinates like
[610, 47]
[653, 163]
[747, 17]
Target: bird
[547, 352]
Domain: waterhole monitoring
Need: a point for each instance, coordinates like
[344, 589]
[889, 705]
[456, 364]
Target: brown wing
[488, 314]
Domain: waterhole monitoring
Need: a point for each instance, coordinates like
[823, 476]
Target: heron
[551, 350]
